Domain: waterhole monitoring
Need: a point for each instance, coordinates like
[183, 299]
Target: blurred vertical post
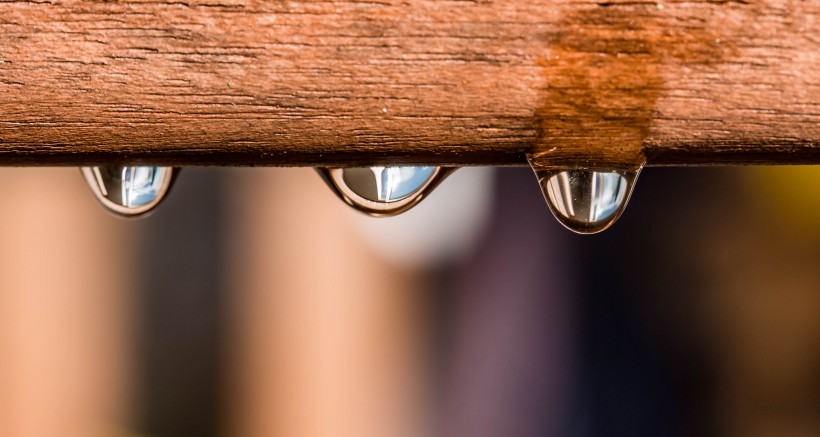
[327, 338]
[64, 319]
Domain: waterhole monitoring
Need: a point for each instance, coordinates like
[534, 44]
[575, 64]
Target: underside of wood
[233, 82]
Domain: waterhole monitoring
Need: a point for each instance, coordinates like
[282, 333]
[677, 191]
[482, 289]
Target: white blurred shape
[445, 227]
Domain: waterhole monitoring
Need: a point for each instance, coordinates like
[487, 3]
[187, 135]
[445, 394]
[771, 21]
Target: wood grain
[233, 82]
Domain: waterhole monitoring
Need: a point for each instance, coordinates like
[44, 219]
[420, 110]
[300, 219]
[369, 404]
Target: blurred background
[254, 303]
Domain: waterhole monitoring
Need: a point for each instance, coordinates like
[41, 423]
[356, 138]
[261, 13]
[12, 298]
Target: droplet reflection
[383, 191]
[586, 201]
[129, 190]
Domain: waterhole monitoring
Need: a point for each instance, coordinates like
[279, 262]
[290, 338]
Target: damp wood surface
[232, 82]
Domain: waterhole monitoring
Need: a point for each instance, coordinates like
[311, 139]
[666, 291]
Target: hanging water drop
[587, 201]
[383, 191]
[129, 191]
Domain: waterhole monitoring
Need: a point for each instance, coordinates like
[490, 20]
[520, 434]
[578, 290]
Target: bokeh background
[254, 303]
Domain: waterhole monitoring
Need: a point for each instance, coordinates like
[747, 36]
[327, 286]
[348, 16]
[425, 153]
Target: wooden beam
[246, 82]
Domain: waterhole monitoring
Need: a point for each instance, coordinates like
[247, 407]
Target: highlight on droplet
[382, 191]
[129, 191]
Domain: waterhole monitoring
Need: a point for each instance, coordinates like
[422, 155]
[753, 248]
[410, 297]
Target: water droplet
[587, 201]
[383, 191]
[129, 191]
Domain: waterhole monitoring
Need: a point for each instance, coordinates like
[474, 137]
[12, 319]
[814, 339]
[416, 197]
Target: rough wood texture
[449, 82]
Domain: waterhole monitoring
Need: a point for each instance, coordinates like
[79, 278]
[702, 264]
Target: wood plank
[248, 82]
